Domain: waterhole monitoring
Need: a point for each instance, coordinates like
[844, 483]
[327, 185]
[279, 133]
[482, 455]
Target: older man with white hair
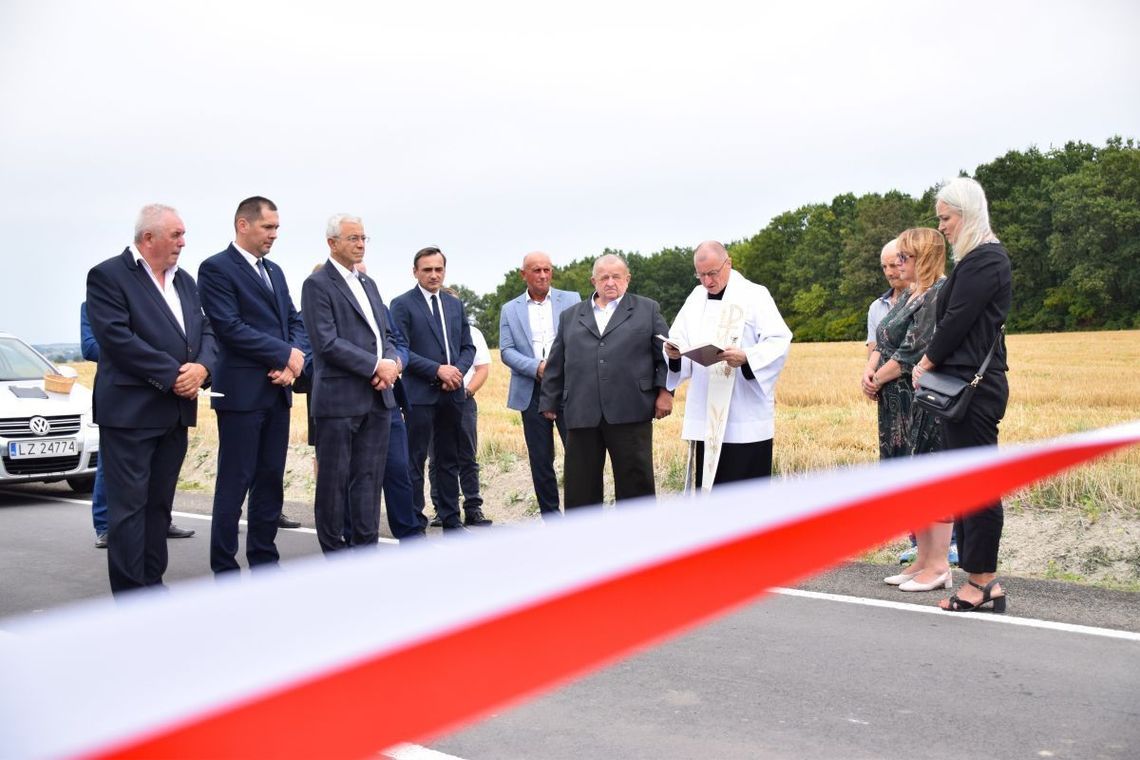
[730, 409]
[889, 261]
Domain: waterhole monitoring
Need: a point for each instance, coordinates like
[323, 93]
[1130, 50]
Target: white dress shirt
[602, 314]
[166, 287]
[353, 282]
[541, 317]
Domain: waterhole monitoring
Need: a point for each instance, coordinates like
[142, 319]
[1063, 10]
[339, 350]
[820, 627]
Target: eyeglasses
[905, 257]
[711, 273]
[354, 239]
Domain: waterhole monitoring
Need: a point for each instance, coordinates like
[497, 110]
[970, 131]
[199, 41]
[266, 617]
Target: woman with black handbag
[904, 430]
[971, 310]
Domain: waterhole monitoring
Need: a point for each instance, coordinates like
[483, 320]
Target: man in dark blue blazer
[354, 368]
[156, 351]
[89, 347]
[261, 350]
[440, 353]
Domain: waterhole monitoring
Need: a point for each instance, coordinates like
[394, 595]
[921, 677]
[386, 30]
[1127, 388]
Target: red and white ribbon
[379, 646]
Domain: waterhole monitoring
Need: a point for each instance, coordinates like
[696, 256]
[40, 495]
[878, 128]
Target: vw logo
[39, 426]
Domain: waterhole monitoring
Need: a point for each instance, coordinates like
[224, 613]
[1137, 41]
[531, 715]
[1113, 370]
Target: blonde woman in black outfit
[971, 309]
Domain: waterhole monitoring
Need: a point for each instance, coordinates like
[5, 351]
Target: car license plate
[53, 447]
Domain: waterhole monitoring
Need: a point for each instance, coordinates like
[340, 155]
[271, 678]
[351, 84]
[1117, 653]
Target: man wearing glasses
[730, 409]
[354, 368]
[607, 362]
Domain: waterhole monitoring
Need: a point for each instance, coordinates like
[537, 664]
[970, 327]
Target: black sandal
[961, 605]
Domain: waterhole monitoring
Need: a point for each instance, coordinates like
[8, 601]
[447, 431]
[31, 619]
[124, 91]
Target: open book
[706, 354]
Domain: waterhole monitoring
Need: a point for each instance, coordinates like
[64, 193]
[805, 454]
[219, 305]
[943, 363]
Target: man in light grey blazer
[527, 325]
[607, 366]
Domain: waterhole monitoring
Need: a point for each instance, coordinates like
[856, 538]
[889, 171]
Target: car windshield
[19, 362]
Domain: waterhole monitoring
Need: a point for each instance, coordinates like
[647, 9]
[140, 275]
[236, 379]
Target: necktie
[439, 321]
[435, 312]
[264, 274]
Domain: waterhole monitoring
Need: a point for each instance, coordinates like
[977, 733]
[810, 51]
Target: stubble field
[1083, 525]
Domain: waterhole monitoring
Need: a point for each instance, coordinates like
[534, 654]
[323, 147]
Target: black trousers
[468, 449]
[979, 534]
[630, 447]
[140, 467]
[436, 427]
[738, 461]
[539, 434]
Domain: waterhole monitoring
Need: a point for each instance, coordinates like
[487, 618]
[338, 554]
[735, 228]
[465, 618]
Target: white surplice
[723, 406]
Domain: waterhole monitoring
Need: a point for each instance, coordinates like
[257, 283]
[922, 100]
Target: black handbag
[948, 396]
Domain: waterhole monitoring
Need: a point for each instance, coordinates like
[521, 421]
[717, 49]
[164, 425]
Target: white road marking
[416, 752]
[191, 515]
[1048, 625]
[64, 499]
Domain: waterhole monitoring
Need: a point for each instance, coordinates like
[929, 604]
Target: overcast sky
[492, 129]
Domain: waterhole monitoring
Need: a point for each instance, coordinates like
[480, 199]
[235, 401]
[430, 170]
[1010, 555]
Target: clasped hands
[385, 375]
[190, 378]
[450, 378]
[868, 385]
[291, 371]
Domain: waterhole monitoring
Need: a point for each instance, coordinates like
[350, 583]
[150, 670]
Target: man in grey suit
[608, 362]
[354, 368]
[527, 325]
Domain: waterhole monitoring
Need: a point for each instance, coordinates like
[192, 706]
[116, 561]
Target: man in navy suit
[156, 350]
[440, 353]
[261, 350]
[354, 368]
[527, 326]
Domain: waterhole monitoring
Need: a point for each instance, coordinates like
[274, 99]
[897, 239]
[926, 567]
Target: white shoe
[901, 578]
[943, 581]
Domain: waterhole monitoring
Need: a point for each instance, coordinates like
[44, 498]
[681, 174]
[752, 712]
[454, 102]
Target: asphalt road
[791, 676]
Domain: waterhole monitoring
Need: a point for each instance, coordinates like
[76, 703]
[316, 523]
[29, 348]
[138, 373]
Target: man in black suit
[607, 362]
[440, 352]
[354, 368]
[261, 350]
[156, 351]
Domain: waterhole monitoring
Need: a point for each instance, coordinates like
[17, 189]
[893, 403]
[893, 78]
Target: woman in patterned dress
[904, 430]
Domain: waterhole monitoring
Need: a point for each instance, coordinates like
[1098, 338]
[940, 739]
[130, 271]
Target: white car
[44, 436]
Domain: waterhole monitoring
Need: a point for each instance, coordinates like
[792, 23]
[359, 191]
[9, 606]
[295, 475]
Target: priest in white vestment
[730, 407]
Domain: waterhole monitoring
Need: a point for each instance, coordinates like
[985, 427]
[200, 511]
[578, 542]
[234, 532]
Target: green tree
[1096, 241]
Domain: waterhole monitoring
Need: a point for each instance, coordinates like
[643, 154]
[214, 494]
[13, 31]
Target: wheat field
[1059, 383]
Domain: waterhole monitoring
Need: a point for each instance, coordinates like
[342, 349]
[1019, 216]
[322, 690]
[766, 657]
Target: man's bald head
[889, 260]
[712, 266]
[711, 248]
[890, 249]
[536, 272]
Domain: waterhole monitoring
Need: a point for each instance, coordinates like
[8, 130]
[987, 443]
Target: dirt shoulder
[1065, 546]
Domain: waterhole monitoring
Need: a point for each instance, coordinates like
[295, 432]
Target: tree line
[1069, 217]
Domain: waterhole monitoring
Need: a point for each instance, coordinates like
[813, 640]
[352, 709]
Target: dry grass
[1059, 383]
